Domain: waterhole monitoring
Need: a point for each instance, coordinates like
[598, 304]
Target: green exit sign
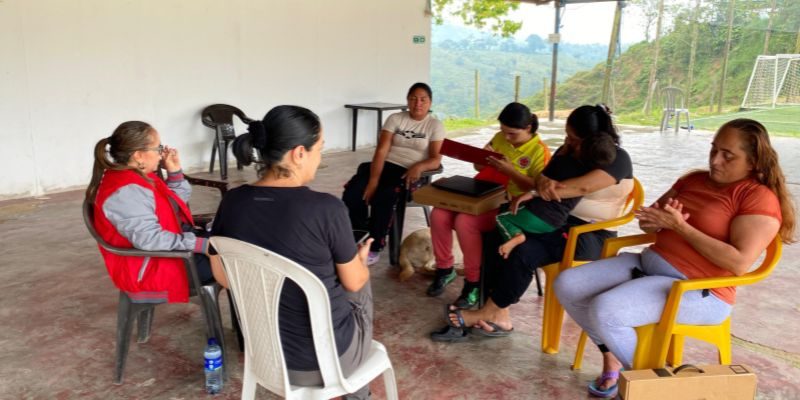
[419, 39]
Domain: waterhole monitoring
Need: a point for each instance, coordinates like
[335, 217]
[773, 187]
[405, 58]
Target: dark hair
[766, 169]
[588, 121]
[283, 128]
[129, 137]
[598, 151]
[420, 85]
[518, 115]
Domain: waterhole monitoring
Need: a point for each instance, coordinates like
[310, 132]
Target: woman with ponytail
[601, 179]
[135, 208]
[712, 223]
[281, 214]
[525, 156]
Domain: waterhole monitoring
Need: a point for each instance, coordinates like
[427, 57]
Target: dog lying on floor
[416, 252]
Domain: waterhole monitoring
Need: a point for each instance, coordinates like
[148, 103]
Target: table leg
[380, 125]
[355, 127]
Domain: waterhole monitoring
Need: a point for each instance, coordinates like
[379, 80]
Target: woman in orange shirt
[709, 224]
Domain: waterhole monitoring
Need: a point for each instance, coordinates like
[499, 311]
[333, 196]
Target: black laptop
[467, 186]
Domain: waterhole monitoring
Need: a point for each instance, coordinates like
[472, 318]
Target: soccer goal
[775, 81]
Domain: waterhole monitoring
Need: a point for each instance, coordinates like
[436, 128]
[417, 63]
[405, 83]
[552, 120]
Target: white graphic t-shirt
[412, 138]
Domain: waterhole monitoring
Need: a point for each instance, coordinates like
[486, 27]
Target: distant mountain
[632, 69]
[457, 52]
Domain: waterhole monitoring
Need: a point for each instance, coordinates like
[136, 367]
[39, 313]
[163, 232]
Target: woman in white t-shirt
[408, 146]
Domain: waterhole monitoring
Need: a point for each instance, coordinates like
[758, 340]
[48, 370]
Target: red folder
[465, 152]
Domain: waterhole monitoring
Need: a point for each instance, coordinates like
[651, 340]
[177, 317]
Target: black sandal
[457, 312]
[450, 334]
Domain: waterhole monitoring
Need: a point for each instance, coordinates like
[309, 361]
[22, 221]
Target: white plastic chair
[256, 277]
[674, 107]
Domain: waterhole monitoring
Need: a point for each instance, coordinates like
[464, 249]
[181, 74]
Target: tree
[535, 44]
[480, 12]
[654, 65]
[649, 12]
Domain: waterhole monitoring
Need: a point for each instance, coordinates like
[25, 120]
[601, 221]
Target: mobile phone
[360, 236]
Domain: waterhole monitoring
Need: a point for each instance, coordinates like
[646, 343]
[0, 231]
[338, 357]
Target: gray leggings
[359, 347]
[607, 303]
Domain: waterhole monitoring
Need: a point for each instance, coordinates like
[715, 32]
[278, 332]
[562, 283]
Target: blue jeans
[605, 300]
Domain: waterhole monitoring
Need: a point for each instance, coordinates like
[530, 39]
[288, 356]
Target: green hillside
[631, 74]
[457, 52]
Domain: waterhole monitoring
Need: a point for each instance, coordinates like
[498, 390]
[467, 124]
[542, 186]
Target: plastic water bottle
[213, 366]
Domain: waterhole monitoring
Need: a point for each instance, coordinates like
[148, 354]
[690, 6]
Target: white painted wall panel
[70, 71]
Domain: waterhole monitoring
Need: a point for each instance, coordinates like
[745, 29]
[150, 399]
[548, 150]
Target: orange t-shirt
[711, 211]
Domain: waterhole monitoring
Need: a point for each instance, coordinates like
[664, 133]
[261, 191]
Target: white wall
[71, 71]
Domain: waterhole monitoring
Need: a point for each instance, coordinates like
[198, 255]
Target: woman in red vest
[135, 208]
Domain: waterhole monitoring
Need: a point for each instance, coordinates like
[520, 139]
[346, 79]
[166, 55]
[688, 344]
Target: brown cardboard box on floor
[432, 196]
[716, 382]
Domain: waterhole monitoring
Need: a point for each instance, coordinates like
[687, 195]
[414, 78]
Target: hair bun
[604, 108]
[258, 134]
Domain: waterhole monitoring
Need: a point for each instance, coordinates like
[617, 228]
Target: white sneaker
[373, 257]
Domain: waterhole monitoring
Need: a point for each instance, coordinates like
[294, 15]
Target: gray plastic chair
[127, 310]
[673, 101]
[219, 117]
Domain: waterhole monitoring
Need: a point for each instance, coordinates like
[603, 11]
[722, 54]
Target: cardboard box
[728, 382]
[432, 196]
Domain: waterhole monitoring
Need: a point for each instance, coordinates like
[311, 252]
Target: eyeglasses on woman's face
[159, 149]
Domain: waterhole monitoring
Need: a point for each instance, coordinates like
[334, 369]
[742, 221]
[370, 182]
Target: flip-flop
[450, 334]
[457, 312]
[605, 393]
[495, 332]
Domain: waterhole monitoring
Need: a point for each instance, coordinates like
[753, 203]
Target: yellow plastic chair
[553, 316]
[663, 341]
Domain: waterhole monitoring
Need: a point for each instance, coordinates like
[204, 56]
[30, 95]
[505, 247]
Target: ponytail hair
[587, 121]
[766, 169]
[518, 115]
[129, 137]
[283, 128]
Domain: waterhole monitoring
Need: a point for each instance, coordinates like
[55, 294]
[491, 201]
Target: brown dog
[416, 251]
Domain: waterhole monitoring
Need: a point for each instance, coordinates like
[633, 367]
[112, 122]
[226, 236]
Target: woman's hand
[363, 250]
[547, 188]
[502, 165]
[369, 191]
[668, 216]
[516, 200]
[412, 175]
[172, 161]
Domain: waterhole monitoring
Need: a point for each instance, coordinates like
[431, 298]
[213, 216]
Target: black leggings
[507, 280]
[379, 218]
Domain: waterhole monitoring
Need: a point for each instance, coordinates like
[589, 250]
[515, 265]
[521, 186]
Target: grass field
[783, 121]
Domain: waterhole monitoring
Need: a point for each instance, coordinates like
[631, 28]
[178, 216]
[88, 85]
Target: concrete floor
[59, 308]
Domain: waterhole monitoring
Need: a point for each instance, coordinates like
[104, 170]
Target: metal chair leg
[125, 317]
[145, 324]
[396, 230]
[209, 296]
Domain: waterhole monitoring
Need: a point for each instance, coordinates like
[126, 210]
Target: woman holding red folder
[603, 191]
[524, 157]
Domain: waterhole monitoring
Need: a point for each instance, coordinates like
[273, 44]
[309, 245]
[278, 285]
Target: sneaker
[443, 278]
[470, 294]
[373, 257]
